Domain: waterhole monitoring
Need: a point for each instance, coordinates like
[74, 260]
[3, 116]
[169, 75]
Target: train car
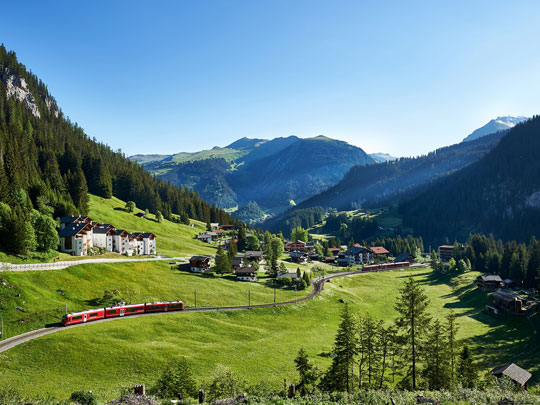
[124, 310]
[164, 306]
[82, 317]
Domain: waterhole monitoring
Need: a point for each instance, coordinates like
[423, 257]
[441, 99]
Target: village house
[236, 262]
[64, 221]
[120, 241]
[298, 246]
[355, 255]
[404, 257]
[508, 302]
[214, 225]
[330, 259]
[226, 227]
[379, 251]
[207, 237]
[299, 257]
[314, 256]
[103, 238]
[515, 373]
[254, 256]
[292, 276]
[489, 282]
[199, 264]
[446, 252]
[145, 243]
[334, 251]
[246, 273]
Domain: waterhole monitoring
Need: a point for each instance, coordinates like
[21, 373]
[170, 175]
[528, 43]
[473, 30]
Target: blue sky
[398, 77]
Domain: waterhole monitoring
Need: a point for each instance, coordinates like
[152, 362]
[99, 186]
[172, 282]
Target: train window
[94, 314]
[76, 318]
[112, 312]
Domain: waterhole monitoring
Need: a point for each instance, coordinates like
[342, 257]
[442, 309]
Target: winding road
[318, 286]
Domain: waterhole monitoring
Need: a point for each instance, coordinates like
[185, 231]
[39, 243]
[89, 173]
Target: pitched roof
[73, 229]
[297, 254]
[119, 232]
[514, 372]
[199, 258]
[379, 250]
[256, 253]
[69, 219]
[402, 257]
[355, 250]
[100, 230]
[491, 277]
[503, 296]
[245, 270]
[290, 275]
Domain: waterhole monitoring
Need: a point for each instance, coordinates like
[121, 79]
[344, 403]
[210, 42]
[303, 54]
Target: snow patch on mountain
[496, 125]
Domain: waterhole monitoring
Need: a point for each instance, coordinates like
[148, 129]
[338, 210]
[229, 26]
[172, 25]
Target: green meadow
[259, 345]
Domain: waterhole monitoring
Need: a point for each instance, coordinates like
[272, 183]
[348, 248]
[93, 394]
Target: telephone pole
[249, 298]
[195, 292]
[2, 327]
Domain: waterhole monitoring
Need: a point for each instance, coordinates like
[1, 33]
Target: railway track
[318, 287]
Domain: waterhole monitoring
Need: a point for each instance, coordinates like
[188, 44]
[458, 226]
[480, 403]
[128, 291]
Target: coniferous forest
[49, 165]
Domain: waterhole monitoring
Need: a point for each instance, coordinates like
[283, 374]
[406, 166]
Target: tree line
[49, 160]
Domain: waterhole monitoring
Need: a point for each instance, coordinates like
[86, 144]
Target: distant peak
[502, 123]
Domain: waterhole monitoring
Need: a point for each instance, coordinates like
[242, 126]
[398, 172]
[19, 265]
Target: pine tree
[340, 375]
[412, 321]
[223, 265]
[436, 367]
[466, 372]
[176, 381]
[451, 332]
[307, 372]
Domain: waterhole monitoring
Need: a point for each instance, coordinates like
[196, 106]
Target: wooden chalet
[226, 227]
[518, 375]
[254, 256]
[490, 282]
[299, 257]
[246, 273]
[298, 246]
[199, 264]
[334, 251]
[236, 263]
[404, 257]
[379, 250]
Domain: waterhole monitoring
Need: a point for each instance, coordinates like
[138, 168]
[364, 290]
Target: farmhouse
[226, 227]
[199, 264]
[298, 257]
[254, 256]
[518, 375]
[206, 237]
[489, 282]
[334, 251]
[246, 274]
[236, 263]
[379, 250]
[404, 257]
[355, 255]
[298, 246]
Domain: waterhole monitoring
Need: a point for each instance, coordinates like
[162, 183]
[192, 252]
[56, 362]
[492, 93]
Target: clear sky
[162, 77]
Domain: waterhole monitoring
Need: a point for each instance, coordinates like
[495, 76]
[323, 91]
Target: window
[93, 314]
[111, 312]
[76, 318]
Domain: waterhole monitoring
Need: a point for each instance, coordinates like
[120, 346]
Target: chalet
[76, 238]
[314, 256]
[64, 221]
[379, 250]
[298, 257]
[446, 252]
[330, 259]
[199, 264]
[254, 256]
[246, 274]
[342, 260]
[518, 375]
[226, 227]
[334, 251]
[206, 237]
[489, 282]
[508, 302]
[236, 263]
[214, 225]
[357, 255]
[404, 257]
[298, 246]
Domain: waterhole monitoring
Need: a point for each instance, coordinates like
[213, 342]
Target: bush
[83, 398]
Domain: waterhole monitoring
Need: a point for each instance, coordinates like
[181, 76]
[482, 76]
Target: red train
[386, 266]
[121, 310]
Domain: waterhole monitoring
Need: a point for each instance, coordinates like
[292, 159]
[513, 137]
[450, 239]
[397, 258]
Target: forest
[49, 165]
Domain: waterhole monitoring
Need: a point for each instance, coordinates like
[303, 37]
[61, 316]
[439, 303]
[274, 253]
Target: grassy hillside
[258, 345]
[44, 294]
[172, 239]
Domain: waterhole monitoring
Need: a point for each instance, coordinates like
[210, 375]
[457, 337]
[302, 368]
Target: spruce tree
[466, 372]
[436, 366]
[307, 372]
[340, 375]
[451, 332]
[412, 322]
[223, 265]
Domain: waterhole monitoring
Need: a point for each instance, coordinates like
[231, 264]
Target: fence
[37, 266]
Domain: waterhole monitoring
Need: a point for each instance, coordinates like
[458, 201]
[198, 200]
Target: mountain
[498, 194]
[271, 174]
[384, 183]
[496, 125]
[382, 157]
[49, 164]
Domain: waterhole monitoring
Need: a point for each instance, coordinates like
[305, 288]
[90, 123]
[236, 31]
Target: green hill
[259, 345]
[172, 239]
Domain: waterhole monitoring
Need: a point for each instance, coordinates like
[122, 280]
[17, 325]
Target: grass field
[172, 239]
[257, 344]
[83, 287]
